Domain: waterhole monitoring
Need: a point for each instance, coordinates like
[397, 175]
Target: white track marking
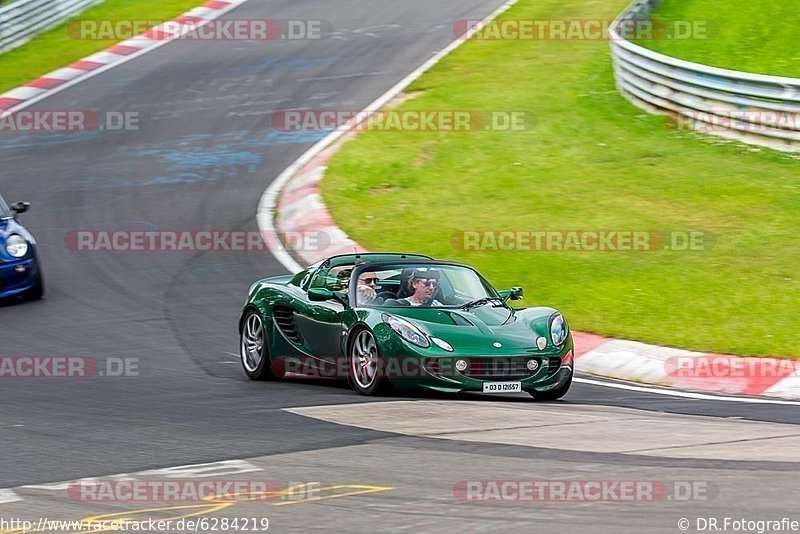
[191, 471]
[683, 394]
[8, 496]
[216, 469]
[269, 200]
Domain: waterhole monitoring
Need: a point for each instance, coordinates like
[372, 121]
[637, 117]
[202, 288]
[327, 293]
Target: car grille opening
[553, 364]
[434, 367]
[284, 319]
[500, 368]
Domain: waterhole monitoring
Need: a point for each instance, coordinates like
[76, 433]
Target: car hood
[9, 226]
[478, 330]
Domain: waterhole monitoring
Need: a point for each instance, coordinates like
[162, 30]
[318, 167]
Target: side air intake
[284, 319]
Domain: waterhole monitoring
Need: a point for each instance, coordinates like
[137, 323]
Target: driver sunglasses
[370, 281]
[429, 282]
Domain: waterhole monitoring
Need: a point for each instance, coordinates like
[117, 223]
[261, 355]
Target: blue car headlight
[16, 246]
[406, 330]
[558, 329]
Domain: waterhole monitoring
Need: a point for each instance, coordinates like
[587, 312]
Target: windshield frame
[369, 266]
[5, 211]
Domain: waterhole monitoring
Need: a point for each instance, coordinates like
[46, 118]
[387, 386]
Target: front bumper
[18, 276]
[551, 374]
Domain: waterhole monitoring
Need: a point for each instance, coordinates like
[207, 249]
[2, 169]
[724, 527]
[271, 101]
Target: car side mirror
[515, 293]
[20, 207]
[320, 294]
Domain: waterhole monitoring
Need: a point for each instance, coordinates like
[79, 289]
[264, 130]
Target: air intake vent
[459, 320]
[498, 368]
[284, 319]
[553, 364]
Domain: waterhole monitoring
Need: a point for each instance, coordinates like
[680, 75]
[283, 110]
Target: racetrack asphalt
[200, 160]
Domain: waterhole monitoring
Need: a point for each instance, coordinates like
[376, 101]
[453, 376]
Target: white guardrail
[22, 19]
[752, 108]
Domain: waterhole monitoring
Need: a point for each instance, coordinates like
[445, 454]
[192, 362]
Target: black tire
[37, 291]
[355, 355]
[250, 346]
[553, 394]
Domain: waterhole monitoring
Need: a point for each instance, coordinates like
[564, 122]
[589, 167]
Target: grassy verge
[56, 48]
[592, 162]
[743, 35]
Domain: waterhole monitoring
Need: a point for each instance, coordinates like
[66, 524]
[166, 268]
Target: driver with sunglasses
[423, 283]
[366, 288]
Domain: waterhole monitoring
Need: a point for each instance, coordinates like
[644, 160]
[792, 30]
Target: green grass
[753, 36]
[593, 161]
[55, 48]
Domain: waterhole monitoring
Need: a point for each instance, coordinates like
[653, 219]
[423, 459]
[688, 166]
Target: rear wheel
[365, 370]
[253, 348]
[553, 394]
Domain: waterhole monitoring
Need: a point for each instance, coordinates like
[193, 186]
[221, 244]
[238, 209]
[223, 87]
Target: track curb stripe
[35, 90]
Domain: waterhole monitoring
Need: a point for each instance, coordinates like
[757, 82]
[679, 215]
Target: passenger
[423, 284]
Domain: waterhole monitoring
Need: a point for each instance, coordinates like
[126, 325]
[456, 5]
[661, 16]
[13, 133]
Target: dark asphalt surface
[201, 159]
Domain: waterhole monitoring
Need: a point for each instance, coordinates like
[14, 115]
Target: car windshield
[4, 211]
[432, 285]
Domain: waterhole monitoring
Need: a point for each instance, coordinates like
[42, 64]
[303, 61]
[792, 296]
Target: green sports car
[403, 320]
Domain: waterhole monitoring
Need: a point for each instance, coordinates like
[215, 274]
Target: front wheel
[253, 348]
[366, 372]
[553, 394]
[37, 291]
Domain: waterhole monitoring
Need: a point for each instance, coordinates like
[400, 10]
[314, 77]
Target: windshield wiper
[480, 302]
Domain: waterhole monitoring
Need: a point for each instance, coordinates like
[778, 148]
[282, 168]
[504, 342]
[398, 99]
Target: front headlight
[558, 329]
[16, 246]
[406, 330]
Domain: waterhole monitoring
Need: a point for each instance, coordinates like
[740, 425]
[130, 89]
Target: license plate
[502, 387]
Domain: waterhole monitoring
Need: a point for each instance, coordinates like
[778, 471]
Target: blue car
[20, 273]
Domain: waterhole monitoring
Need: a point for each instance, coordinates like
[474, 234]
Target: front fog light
[532, 365]
[461, 365]
[541, 342]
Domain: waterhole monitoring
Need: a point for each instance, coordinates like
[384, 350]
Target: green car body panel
[305, 335]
